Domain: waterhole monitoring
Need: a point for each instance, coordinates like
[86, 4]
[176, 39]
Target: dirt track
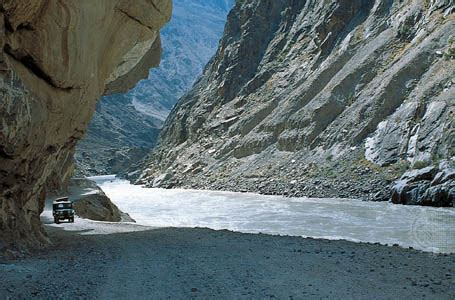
[106, 260]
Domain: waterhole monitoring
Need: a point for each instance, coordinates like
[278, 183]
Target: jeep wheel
[56, 221]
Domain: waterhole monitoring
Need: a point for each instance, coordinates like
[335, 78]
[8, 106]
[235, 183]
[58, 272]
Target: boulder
[439, 195]
[430, 186]
[97, 207]
[90, 202]
[407, 192]
[444, 176]
[427, 173]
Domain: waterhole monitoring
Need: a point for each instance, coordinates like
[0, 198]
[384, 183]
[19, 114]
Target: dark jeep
[62, 209]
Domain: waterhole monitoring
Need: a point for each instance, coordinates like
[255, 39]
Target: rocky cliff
[316, 98]
[125, 126]
[118, 136]
[57, 58]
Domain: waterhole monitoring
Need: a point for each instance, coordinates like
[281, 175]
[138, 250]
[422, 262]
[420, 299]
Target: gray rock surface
[117, 137]
[316, 98]
[426, 173]
[90, 202]
[57, 58]
[433, 186]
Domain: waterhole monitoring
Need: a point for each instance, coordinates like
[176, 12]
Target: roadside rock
[97, 207]
[90, 202]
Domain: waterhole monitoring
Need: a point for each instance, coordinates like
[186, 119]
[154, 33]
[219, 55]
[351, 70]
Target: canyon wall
[125, 127]
[57, 58]
[316, 98]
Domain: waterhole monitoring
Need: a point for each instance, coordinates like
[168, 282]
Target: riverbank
[91, 259]
[423, 228]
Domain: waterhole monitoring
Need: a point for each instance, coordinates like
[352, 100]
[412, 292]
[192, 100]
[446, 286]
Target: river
[425, 228]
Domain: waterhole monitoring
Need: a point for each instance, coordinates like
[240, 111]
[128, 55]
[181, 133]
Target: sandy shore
[126, 261]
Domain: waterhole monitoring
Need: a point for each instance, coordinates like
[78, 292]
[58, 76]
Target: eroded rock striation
[316, 98]
[57, 58]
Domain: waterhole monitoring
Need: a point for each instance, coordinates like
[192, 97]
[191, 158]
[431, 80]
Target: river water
[425, 228]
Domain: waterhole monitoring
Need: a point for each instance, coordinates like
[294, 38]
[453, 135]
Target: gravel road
[125, 261]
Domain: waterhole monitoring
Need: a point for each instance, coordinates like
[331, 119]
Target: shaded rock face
[90, 202]
[57, 59]
[430, 186]
[117, 137]
[342, 91]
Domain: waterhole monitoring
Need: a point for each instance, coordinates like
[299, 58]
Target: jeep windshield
[58, 206]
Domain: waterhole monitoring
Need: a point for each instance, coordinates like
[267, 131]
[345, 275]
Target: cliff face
[316, 98]
[117, 136]
[125, 126]
[57, 58]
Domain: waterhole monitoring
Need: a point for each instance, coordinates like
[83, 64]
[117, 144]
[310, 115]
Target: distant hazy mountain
[189, 41]
[132, 121]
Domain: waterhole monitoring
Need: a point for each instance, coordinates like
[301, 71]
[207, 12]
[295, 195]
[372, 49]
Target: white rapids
[425, 228]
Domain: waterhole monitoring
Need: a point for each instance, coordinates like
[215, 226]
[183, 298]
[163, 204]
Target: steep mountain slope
[125, 126]
[316, 98]
[117, 136]
[189, 41]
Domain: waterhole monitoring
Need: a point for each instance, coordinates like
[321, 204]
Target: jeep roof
[62, 200]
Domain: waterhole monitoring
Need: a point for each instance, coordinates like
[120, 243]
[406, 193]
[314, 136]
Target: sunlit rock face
[316, 98]
[57, 59]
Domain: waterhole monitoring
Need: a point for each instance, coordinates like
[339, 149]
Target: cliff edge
[57, 58]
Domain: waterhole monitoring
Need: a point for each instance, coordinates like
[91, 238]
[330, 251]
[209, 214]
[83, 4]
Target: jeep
[62, 209]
